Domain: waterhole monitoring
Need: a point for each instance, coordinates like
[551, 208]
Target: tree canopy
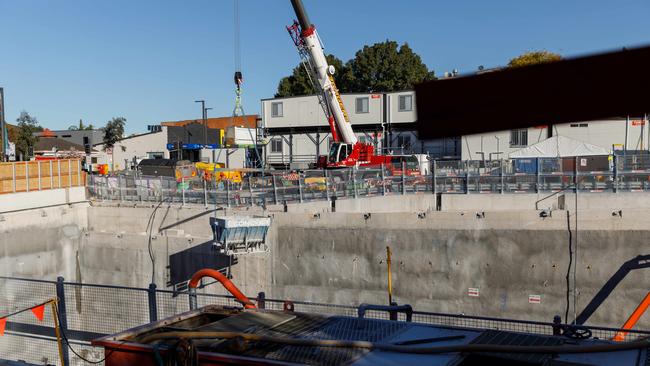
[25, 138]
[298, 82]
[113, 131]
[533, 58]
[384, 66]
[387, 67]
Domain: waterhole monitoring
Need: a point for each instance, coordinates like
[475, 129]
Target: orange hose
[633, 319]
[206, 272]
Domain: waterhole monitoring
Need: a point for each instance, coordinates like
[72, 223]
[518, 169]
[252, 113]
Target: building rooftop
[249, 121]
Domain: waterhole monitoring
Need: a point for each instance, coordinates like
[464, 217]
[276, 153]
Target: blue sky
[148, 60]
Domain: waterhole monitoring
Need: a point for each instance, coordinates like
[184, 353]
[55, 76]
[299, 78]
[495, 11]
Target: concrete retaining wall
[340, 257]
[37, 199]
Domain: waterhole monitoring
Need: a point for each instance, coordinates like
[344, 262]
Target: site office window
[519, 138]
[276, 109]
[276, 145]
[405, 103]
[404, 141]
[361, 105]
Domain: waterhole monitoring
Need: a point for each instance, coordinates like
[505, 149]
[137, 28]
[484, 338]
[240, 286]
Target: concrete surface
[318, 255]
[37, 199]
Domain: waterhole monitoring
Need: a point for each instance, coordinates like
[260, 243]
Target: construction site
[314, 239]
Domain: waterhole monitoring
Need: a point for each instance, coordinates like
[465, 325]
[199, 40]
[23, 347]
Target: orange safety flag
[39, 311]
[3, 323]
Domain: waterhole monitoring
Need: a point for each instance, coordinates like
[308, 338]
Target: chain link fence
[627, 173]
[89, 311]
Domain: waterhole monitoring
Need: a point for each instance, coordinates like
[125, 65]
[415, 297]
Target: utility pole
[3, 138]
[203, 117]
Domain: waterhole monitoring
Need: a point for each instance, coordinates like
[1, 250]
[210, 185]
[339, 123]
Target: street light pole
[205, 113]
[205, 127]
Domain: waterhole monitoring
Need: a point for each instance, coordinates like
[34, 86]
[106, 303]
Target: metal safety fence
[629, 173]
[90, 311]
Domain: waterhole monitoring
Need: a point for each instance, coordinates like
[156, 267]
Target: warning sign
[534, 299]
[472, 292]
[638, 122]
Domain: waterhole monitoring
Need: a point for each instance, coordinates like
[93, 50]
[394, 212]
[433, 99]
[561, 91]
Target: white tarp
[559, 147]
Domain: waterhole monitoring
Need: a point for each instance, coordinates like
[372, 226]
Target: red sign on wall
[638, 122]
[376, 96]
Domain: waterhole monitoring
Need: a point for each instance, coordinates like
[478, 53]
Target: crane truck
[346, 150]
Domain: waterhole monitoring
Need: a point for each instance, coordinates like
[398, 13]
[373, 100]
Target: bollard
[153, 306]
[63, 318]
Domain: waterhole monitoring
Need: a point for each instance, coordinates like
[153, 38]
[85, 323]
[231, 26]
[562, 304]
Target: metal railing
[260, 188]
[90, 311]
[26, 176]
[265, 187]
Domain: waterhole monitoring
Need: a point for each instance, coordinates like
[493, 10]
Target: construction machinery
[346, 150]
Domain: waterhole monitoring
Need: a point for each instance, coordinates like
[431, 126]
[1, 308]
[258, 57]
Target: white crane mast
[317, 65]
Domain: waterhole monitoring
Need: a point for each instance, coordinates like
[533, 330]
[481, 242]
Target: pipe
[206, 272]
[633, 319]
[465, 348]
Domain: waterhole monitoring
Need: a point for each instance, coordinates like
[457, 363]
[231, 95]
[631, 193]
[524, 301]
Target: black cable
[150, 225]
[568, 271]
[67, 342]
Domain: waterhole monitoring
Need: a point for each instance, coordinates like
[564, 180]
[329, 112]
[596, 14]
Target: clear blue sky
[148, 60]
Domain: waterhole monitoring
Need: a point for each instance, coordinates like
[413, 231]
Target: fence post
[162, 189]
[27, 176]
[119, 187]
[403, 178]
[433, 177]
[261, 300]
[502, 180]
[354, 182]
[383, 180]
[575, 174]
[39, 174]
[79, 173]
[183, 191]
[537, 181]
[69, 173]
[13, 175]
[51, 176]
[327, 185]
[205, 193]
[153, 306]
[58, 170]
[466, 176]
[63, 317]
[250, 189]
[615, 173]
[228, 193]
[300, 186]
[275, 189]
[192, 298]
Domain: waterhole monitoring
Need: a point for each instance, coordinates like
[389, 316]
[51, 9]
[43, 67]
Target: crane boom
[323, 73]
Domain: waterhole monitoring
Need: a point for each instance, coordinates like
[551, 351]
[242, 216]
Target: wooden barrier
[25, 176]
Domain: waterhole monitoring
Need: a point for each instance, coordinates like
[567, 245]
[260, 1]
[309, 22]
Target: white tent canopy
[559, 147]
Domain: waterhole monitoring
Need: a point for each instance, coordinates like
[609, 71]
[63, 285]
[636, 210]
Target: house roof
[249, 121]
[48, 143]
[558, 147]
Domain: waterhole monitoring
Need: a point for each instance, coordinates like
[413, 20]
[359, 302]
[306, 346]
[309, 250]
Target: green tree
[298, 82]
[113, 131]
[25, 137]
[81, 127]
[387, 67]
[534, 58]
